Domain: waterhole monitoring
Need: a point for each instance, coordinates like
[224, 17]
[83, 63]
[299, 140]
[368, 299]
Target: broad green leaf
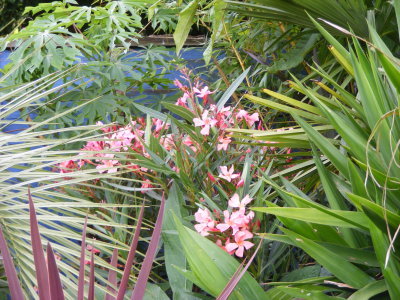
[154, 292]
[174, 254]
[342, 269]
[212, 267]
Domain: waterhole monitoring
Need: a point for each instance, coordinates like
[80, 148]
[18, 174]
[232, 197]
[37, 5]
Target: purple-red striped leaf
[91, 278]
[140, 286]
[129, 261]
[42, 275]
[112, 276]
[81, 278]
[12, 278]
[56, 290]
[230, 286]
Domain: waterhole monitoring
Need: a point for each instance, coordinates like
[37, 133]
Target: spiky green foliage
[30, 156]
[350, 225]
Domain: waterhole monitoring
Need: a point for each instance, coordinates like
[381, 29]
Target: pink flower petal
[231, 246]
[239, 251]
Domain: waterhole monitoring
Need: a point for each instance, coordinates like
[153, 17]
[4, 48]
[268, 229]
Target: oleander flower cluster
[231, 232]
[105, 153]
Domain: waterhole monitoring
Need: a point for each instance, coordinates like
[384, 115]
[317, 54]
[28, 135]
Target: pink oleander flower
[159, 125]
[211, 177]
[67, 166]
[182, 101]
[205, 122]
[241, 114]
[251, 119]
[179, 84]
[168, 142]
[240, 243]
[206, 223]
[219, 244]
[228, 175]
[203, 93]
[243, 221]
[146, 185]
[235, 202]
[108, 163]
[223, 143]
[188, 142]
[231, 221]
[240, 183]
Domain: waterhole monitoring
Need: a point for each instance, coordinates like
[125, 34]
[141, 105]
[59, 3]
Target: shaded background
[11, 12]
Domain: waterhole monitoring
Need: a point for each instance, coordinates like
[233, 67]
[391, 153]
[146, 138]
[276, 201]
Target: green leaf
[154, 292]
[185, 22]
[180, 111]
[229, 92]
[174, 254]
[287, 109]
[331, 152]
[212, 267]
[370, 290]
[312, 215]
[334, 263]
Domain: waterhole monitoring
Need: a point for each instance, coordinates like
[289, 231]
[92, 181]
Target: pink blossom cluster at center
[233, 232]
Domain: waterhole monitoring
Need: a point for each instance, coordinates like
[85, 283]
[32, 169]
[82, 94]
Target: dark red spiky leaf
[81, 278]
[12, 278]
[56, 290]
[91, 278]
[112, 275]
[230, 286]
[129, 261]
[140, 286]
[42, 275]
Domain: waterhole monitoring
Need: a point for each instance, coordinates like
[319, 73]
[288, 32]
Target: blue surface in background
[193, 58]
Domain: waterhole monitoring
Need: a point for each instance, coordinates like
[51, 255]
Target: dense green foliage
[284, 184]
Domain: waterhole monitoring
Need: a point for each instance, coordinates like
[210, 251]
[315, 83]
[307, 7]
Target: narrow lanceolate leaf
[81, 278]
[42, 275]
[232, 88]
[334, 263]
[173, 252]
[129, 261]
[112, 276]
[370, 290]
[185, 22]
[56, 290]
[11, 273]
[226, 292]
[144, 273]
[330, 151]
[337, 218]
[91, 278]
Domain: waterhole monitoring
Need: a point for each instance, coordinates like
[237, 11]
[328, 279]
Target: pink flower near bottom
[240, 243]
